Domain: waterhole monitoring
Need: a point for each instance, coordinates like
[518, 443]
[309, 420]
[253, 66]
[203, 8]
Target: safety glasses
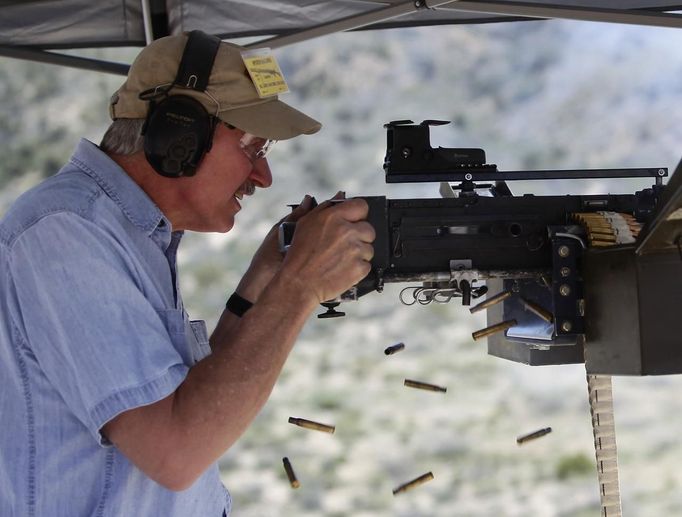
[255, 147]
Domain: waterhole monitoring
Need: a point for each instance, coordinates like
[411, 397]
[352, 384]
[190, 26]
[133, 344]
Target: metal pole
[147, 20]
[344, 24]
[53, 58]
[589, 14]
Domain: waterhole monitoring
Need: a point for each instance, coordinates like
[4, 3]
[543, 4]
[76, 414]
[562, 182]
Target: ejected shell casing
[538, 310]
[309, 424]
[414, 483]
[394, 348]
[424, 386]
[489, 302]
[534, 435]
[493, 329]
[290, 473]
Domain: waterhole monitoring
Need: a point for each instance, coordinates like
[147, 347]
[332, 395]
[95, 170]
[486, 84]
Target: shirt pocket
[189, 338]
[199, 340]
[176, 325]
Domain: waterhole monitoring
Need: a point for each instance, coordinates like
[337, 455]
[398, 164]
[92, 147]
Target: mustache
[247, 188]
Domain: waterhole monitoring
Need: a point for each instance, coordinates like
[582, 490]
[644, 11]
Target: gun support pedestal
[632, 318]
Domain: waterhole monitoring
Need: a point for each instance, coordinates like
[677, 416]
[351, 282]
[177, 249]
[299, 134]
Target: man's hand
[331, 249]
[268, 258]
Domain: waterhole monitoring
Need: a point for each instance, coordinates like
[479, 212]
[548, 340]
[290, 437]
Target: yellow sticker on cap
[265, 72]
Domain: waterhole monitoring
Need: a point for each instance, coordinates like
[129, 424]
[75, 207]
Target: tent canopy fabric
[55, 24]
[37, 29]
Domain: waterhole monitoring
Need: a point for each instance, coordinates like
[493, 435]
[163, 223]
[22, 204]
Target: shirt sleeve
[83, 314]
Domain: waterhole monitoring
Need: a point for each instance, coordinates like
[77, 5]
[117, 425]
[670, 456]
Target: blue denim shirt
[91, 325]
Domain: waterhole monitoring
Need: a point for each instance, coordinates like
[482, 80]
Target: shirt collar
[131, 199]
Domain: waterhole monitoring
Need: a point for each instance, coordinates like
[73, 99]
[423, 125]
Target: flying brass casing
[424, 478]
[533, 436]
[493, 329]
[293, 481]
[394, 349]
[424, 386]
[309, 424]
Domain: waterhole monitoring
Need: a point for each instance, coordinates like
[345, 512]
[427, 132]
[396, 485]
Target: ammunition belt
[606, 229]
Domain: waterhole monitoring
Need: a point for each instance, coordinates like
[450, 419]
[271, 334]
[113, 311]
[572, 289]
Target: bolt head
[565, 271]
[564, 289]
[566, 326]
[564, 251]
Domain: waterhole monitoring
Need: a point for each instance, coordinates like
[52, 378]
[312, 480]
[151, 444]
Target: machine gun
[568, 279]
[561, 272]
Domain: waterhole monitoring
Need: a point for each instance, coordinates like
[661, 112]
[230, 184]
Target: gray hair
[123, 136]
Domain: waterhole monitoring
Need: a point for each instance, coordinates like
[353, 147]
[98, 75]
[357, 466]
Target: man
[112, 401]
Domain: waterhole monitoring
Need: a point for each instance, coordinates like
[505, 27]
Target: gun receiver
[577, 281]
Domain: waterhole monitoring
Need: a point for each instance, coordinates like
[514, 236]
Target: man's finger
[354, 209]
[305, 206]
[366, 232]
[366, 251]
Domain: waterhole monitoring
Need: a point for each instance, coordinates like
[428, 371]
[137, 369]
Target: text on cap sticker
[265, 72]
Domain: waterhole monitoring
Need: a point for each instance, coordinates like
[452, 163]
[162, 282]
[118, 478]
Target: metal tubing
[147, 20]
[587, 14]
[53, 58]
[348, 23]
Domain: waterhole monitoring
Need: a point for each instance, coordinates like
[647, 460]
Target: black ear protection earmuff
[178, 131]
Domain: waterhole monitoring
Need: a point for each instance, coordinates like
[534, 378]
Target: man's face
[228, 173]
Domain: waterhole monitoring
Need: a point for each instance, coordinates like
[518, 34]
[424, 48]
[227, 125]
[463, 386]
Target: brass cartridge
[309, 424]
[489, 302]
[493, 329]
[538, 310]
[394, 348]
[602, 236]
[534, 435]
[424, 386]
[414, 483]
[290, 473]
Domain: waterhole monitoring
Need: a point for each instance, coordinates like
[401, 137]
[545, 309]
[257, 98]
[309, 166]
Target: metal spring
[426, 295]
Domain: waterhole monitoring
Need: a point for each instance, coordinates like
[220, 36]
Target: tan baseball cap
[230, 94]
